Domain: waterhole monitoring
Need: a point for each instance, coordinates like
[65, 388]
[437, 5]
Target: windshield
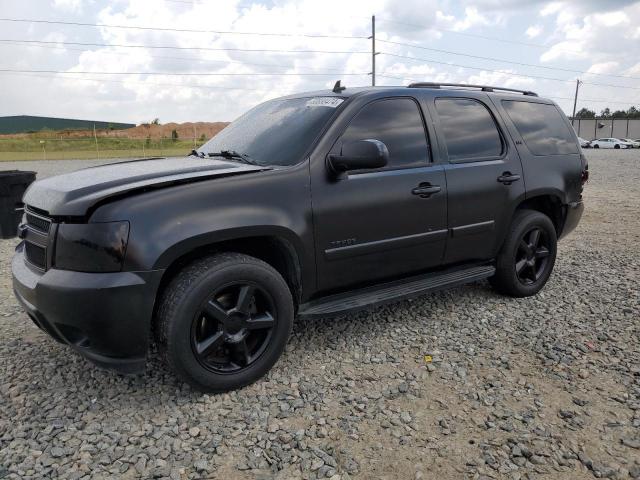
[277, 132]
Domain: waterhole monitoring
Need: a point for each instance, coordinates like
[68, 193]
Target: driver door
[373, 224]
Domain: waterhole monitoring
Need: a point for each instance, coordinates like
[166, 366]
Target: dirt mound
[185, 130]
[188, 130]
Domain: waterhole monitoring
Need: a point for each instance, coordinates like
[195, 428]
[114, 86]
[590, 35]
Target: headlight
[91, 247]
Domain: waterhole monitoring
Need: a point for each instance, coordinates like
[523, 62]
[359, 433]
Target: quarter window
[397, 123]
[542, 127]
[470, 132]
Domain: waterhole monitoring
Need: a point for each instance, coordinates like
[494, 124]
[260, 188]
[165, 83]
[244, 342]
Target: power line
[215, 87]
[171, 47]
[127, 82]
[186, 74]
[501, 60]
[472, 35]
[476, 68]
[41, 42]
[503, 72]
[631, 103]
[171, 57]
[178, 30]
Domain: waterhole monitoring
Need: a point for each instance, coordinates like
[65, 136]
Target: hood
[72, 194]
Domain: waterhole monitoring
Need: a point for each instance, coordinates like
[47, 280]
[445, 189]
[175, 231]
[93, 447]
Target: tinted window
[469, 129]
[278, 132]
[542, 127]
[397, 123]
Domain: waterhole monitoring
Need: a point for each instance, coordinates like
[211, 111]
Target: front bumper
[106, 317]
[572, 218]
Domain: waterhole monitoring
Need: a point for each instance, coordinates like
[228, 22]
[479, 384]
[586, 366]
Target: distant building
[27, 123]
[592, 128]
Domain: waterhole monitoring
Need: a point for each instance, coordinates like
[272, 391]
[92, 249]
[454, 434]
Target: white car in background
[610, 143]
[634, 143]
[584, 143]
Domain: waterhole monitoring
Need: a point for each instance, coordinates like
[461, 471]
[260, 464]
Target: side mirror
[360, 155]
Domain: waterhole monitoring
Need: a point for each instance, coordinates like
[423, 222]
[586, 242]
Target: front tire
[528, 255]
[596, 146]
[223, 321]
[616, 146]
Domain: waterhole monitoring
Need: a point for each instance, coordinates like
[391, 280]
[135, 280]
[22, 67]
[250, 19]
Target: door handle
[508, 178]
[425, 190]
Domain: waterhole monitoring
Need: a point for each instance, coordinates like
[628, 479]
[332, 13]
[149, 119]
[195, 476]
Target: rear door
[548, 148]
[484, 175]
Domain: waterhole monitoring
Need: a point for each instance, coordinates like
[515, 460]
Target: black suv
[307, 205]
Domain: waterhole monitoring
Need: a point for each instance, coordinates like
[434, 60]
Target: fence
[38, 148]
[592, 128]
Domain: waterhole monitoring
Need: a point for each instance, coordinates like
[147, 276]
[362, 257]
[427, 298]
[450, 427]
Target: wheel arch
[550, 205]
[275, 249]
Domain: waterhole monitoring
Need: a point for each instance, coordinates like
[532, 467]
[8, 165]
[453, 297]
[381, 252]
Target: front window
[397, 123]
[277, 132]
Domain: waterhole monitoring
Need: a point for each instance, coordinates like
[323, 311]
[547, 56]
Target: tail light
[584, 175]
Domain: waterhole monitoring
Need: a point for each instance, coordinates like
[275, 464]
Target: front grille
[38, 223]
[36, 255]
[38, 226]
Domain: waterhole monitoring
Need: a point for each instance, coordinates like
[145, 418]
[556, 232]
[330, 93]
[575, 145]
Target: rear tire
[528, 255]
[223, 321]
[596, 146]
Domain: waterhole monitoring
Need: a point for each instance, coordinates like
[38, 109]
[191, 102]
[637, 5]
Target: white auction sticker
[331, 102]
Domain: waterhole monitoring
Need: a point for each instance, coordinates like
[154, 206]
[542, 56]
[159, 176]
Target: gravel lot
[544, 387]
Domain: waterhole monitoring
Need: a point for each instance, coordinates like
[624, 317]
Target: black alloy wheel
[233, 328]
[532, 256]
[528, 254]
[224, 320]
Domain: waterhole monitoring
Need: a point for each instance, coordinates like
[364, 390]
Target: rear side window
[398, 124]
[542, 127]
[469, 129]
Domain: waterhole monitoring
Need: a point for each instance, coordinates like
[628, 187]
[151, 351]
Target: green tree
[606, 113]
[155, 121]
[174, 135]
[585, 113]
[633, 112]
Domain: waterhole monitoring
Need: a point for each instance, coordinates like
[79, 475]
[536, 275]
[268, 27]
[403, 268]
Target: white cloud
[604, 67]
[533, 31]
[582, 36]
[472, 18]
[69, 5]
[551, 9]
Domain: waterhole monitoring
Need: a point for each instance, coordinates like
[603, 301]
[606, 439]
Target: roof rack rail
[484, 88]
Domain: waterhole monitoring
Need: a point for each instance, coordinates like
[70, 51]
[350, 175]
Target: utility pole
[373, 50]
[575, 101]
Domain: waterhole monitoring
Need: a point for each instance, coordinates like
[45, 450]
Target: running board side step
[392, 291]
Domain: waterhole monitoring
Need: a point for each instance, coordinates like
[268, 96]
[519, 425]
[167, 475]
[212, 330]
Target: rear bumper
[572, 218]
[106, 317]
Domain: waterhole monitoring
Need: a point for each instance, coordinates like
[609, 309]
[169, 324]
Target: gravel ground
[543, 387]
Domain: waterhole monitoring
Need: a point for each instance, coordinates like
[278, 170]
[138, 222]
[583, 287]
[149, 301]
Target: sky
[204, 64]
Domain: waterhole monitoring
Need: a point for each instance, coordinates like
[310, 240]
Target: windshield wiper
[233, 155]
[196, 153]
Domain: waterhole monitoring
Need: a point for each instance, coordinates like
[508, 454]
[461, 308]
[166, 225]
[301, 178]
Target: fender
[169, 223]
[561, 195]
[205, 239]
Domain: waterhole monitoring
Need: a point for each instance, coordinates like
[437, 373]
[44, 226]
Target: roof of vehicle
[346, 92]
